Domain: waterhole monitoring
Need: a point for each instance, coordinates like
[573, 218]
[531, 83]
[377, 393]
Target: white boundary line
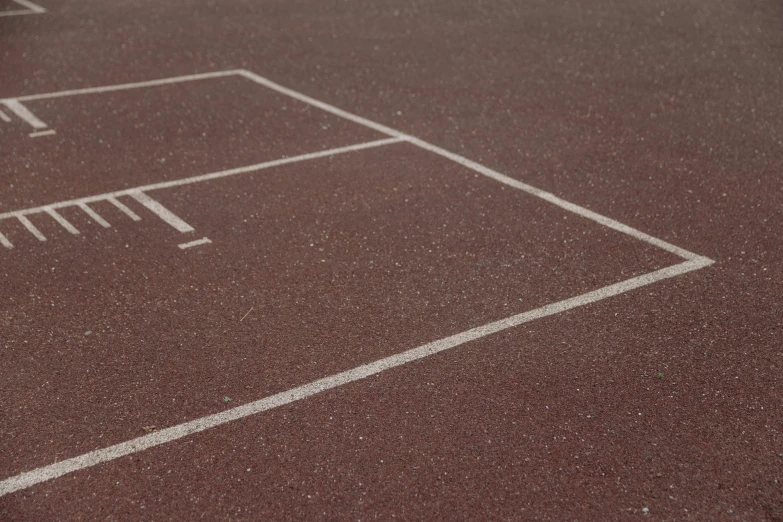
[571, 207]
[203, 177]
[6, 118]
[52, 471]
[30, 227]
[125, 86]
[692, 262]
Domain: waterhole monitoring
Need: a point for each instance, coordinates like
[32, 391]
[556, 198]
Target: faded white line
[24, 113]
[162, 212]
[6, 118]
[126, 86]
[61, 220]
[131, 214]
[207, 177]
[29, 226]
[4, 241]
[31, 6]
[42, 133]
[52, 471]
[202, 241]
[547, 196]
[94, 215]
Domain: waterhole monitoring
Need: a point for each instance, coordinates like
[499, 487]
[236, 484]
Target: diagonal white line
[52, 471]
[94, 215]
[207, 177]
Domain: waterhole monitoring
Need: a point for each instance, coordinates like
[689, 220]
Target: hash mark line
[94, 215]
[35, 8]
[42, 133]
[24, 113]
[210, 176]
[62, 221]
[29, 226]
[86, 460]
[547, 196]
[162, 212]
[125, 86]
[6, 118]
[4, 241]
[16, 13]
[117, 203]
[202, 241]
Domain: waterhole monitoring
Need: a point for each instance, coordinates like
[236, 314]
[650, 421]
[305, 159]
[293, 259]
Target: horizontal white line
[42, 133]
[42, 474]
[126, 86]
[162, 212]
[206, 177]
[24, 113]
[202, 241]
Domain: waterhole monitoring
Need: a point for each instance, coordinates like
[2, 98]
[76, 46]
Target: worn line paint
[52, 471]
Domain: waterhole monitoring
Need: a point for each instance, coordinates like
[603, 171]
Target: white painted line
[321, 105]
[52, 471]
[24, 113]
[547, 196]
[6, 118]
[31, 6]
[551, 198]
[42, 133]
[131, 214]
[4, 241]
[126, 86]
[29, 226]
[94, 215]
[61, 220]
[202, 241]
[207, 177]
[161, 211]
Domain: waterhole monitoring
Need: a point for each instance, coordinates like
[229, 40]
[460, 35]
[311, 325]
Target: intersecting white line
[692, 262]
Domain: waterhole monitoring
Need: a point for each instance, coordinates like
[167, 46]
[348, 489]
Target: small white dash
[202, 241]
[4, 241]
[42, 133]
[29, 226]
[4, 117]
[61, 220]
[128, 212]
[94, 215]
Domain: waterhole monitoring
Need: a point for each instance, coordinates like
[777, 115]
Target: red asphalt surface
[663, 403]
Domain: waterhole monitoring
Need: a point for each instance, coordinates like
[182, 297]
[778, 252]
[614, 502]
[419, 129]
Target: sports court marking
[42, 133]
[691, 262]
[197, 242]
[31, 8]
